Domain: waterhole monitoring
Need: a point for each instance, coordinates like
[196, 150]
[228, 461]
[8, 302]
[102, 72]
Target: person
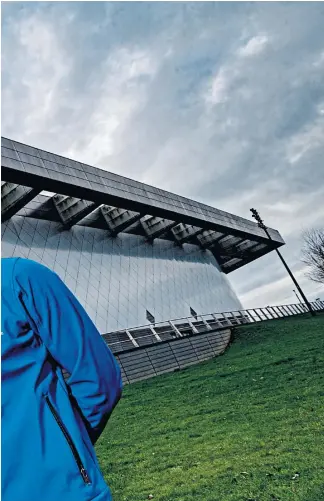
[49, 426]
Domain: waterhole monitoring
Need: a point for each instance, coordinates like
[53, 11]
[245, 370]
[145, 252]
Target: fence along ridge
[151, 334]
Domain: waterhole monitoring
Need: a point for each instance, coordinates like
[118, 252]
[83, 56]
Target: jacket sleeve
[72, 340]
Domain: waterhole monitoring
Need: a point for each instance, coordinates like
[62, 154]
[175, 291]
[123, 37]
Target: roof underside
[93, 197]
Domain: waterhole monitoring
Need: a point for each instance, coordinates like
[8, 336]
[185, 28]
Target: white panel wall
[117, 279]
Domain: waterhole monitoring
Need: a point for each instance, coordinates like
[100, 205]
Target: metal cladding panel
[118, 279]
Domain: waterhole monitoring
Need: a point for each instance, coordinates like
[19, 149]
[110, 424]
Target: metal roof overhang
[30, 170]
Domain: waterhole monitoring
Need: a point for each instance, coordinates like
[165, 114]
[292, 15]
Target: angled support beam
[206, 324]
[185, 232]
[155, 334]
[248, 251]
[228, 247]
[231, 262]
[119, 219]
[218, 322]
[71, 210]
[14, 197]
[246, 244]
[91, 218]
[175, 329]
[194, 329]
[229, 241]
[257, 248]
[156, 226]
[243, 258]
[132, 339]
[227, 320]
[209, 237]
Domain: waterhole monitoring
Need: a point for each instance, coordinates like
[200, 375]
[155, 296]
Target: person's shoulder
[26, 267]
[8, 261]
[7, 266]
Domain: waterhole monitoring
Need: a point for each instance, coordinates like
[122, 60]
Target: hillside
[246, 426]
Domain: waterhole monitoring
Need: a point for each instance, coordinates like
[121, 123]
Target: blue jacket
[49, 427]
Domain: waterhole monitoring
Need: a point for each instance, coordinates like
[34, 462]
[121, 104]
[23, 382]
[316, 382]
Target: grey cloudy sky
[219, 102]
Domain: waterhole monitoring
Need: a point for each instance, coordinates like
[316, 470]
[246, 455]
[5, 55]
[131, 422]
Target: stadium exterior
[127, 250]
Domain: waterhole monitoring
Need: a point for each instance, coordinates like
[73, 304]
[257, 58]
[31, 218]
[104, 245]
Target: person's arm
[72, 340]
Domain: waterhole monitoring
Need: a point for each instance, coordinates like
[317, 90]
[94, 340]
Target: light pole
[261, 224]
[297, 296]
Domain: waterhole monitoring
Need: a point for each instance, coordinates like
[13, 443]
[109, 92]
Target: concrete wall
[168, 356]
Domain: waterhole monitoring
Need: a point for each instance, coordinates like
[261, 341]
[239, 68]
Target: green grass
[236, 428]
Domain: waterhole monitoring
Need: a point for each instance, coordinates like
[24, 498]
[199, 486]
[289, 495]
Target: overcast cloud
[219, 102]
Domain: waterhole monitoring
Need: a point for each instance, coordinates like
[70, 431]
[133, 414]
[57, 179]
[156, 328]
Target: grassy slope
[235, 428]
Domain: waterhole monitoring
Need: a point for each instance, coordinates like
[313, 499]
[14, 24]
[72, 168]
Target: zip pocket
[82, 470]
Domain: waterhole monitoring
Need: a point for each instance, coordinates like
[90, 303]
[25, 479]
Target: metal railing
[149, 334]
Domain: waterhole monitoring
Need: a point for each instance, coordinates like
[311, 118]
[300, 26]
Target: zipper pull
[84, 475]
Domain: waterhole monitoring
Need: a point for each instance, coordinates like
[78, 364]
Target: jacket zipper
[82, 470]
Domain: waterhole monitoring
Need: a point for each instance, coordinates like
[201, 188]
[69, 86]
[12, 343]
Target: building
[133, 254]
